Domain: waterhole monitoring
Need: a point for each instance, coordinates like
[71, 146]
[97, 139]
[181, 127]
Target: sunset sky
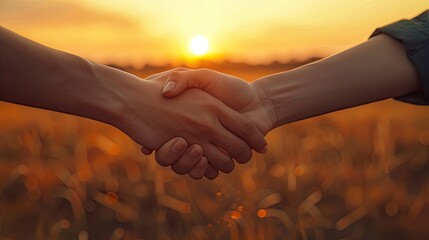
[158, 32]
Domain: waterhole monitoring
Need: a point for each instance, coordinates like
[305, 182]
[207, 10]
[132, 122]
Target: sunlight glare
[199, 45]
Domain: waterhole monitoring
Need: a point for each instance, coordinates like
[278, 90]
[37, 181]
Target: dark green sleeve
[414, 34]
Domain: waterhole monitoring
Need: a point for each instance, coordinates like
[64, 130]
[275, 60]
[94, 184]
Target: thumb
[232, 91]
[177, 82]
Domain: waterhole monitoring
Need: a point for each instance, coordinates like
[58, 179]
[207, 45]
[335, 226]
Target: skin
[35, 75]
[374, 70]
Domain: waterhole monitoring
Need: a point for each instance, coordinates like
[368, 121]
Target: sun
[199, 45]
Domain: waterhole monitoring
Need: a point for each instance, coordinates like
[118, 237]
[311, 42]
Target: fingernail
[195, 152]
[178, 146]
[169, 87]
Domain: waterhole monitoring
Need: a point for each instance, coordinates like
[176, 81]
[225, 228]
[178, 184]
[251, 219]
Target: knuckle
[240, 150]
[204, 70]
[205, 127]
[193, 155]
[209, 73]
[185, 164]
[247, 127]
[177, 69]
[212, 105]
[174, 75]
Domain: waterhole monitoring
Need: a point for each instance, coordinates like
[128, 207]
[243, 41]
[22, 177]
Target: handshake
[199, 121]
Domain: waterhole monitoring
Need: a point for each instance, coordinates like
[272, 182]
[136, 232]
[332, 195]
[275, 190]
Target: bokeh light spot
[262, 213]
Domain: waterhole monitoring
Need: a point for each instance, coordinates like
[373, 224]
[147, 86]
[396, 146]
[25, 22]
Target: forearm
[375, 70]
[38, 76]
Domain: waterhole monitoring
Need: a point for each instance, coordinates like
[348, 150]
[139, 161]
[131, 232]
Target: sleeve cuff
[414, 35]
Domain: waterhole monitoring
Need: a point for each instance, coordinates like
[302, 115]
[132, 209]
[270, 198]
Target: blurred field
[356, 174]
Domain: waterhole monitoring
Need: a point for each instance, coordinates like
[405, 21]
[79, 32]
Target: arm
[372, 71]
[38, 76]
[375, 70]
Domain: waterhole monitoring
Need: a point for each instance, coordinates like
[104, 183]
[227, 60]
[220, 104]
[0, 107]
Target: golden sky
[158, 31]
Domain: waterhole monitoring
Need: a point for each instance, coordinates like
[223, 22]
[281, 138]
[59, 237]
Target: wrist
[287, 96]
[265, 116]
[108, 101]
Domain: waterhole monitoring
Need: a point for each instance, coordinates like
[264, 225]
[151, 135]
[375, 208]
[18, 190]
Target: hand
[248, 99]
[151, 120]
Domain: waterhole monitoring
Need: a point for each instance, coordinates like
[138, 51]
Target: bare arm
[38, 76]
[34, 75]
[375, 70]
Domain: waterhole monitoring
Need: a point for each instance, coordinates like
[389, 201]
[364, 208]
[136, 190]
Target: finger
[213, 82]
[166, 73]
[145, 151]
[218, 159]
[178, 81]
[233, 145]
[171, 151]
[234, 92]
[188, 160]
[243, 128]
[211, 172]
[199, 170]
